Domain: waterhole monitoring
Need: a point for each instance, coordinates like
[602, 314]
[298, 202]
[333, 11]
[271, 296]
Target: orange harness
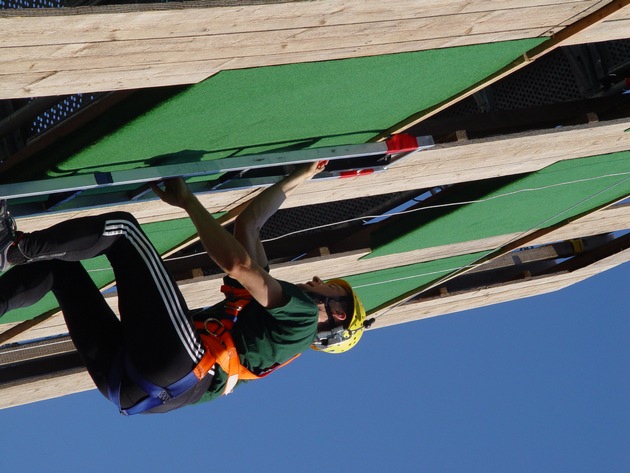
[217, 340]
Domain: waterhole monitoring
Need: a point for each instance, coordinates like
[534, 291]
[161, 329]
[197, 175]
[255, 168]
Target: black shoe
[8, 234]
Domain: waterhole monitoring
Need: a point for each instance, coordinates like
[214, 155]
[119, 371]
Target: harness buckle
[164, 396]
[222, 327]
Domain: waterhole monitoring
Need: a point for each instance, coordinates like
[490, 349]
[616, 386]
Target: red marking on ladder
[356, 173]
[401, 143]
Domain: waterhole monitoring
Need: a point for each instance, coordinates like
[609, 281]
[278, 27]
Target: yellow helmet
[341, 339]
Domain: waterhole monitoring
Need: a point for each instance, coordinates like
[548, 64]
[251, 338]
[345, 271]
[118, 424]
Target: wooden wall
[45, 53]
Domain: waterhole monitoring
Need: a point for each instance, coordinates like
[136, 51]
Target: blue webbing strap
[114, 379]
[157, 395]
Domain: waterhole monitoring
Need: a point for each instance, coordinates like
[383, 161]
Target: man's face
[317, 286]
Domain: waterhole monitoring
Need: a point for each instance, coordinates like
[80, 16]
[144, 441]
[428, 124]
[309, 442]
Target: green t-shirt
[266, 337]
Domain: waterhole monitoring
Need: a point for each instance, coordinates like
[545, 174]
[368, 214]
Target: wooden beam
[614, 27]
[95, 49]
[578, 27]
[38, 389]
[519, 241]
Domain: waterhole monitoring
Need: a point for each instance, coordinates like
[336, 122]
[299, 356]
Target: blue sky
[539, 385]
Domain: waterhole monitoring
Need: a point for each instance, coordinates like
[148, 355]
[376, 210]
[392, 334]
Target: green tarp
[293, 106]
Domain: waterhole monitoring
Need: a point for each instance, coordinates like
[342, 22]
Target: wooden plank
[110, 79]
[612, 219]
[24, 85]
[100, 54]
[146, 211]
[90, 25]
[114, 51]
[42, 389]
[481, 159]
[224, 48]
[51, 327]
[603, 221]
[592, 20]
[473, 160]
[615, 27]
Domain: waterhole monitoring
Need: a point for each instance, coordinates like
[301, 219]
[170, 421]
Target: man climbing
[160, 355]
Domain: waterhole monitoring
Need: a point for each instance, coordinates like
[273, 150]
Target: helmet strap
[319, 299]
[327, 338]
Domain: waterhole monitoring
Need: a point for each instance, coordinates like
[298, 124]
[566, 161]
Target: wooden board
[42, 389]
[480, 159]
[85, 50]
[617, 26]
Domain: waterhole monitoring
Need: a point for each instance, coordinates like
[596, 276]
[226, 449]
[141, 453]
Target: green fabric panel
[537, 200]
[379, 287]
[163, 235]
[293, 106]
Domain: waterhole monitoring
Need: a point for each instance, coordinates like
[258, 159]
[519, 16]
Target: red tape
[356, 173]
[401, 143]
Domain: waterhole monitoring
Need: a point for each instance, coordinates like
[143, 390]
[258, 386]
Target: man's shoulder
[298, 302]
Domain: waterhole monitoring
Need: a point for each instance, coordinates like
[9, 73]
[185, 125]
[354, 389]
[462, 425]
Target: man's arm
[224, 249]
[248, 224]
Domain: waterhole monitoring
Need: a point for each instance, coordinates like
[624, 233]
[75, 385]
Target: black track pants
[155, 328]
